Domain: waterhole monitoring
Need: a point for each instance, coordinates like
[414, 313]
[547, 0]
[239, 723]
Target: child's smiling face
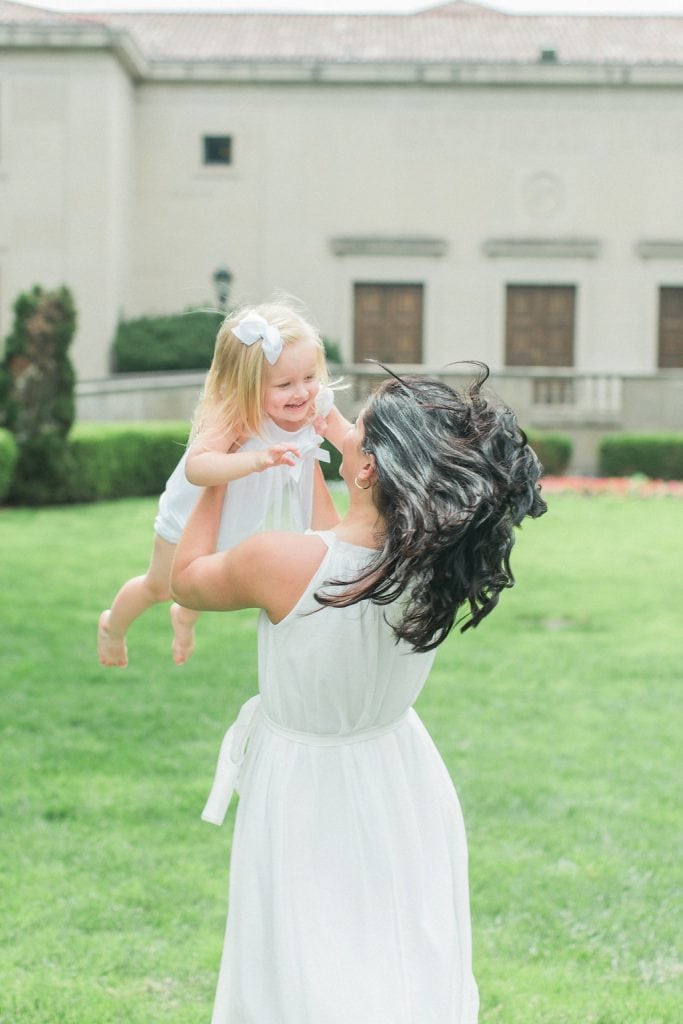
[291, 385]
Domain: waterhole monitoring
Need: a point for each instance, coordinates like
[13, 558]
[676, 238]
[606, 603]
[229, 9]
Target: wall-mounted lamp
[222, 279]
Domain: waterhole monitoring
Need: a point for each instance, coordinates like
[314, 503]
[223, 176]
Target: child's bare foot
[111, 649]
[183, 633]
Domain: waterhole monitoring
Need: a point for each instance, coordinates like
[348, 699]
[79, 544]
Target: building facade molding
[371, 245]
[660, 249]
[542, 248]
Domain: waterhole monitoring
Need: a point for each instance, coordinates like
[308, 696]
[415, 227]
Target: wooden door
[539, 329]
[387, 323]
[670, 348]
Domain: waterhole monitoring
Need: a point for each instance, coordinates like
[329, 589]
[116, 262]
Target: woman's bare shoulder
[284, 549]
[278, 567]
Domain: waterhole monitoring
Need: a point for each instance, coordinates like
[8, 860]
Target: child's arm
[211, 460]
[209, 468]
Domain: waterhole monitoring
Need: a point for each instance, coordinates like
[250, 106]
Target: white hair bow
[253, 327]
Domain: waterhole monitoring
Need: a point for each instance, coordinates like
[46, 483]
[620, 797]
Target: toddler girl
[253, 429]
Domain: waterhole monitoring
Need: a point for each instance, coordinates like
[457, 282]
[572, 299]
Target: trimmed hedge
[180, 341]
[103, 461]
[332, 352]
[184, 341]
[112, 460]
[659, 456]
[554, 451]
[8, 460]
[331, 469]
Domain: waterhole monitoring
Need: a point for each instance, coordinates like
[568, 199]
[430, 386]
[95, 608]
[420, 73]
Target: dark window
[539, 328]
[670, 353]
[218, 149]
[388, 322]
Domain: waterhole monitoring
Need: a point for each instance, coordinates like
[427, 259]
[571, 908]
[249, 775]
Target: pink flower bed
[622, 486]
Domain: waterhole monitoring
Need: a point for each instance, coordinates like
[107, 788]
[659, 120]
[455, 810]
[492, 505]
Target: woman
[348, 890]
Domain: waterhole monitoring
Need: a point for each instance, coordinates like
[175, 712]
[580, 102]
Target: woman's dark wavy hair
[454, 476]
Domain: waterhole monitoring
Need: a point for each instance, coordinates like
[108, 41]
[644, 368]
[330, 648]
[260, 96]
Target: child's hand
[277, 455]
[324, 403]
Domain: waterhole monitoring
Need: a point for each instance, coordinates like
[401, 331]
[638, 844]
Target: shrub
[184, 341]
[8, 460]
[120, 460]
[332, 351]
[111, 460]
[37, 390]
[656, 455]
[331, 469]
[554, 451]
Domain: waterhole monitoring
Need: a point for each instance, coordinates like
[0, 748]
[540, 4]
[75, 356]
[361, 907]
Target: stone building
[449, 184]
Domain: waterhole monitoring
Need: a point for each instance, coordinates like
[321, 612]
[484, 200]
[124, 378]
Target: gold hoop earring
[359, 486]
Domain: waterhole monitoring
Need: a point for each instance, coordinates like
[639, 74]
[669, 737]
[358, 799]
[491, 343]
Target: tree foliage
[37, 390]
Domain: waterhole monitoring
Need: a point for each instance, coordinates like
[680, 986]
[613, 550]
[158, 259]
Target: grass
[559, 719]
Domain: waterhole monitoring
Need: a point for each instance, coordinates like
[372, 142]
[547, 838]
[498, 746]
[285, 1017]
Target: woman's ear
[367, 470]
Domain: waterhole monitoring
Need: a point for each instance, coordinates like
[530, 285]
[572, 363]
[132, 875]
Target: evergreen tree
[37, 392]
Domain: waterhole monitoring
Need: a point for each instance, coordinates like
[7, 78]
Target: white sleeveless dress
[348, 883]
[280, 498]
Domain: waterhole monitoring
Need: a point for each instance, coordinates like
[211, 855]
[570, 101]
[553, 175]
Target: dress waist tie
[235, 742]
[230, 760]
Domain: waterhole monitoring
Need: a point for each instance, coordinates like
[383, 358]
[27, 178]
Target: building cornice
[450, 74]
[93, 36]
[88, 37]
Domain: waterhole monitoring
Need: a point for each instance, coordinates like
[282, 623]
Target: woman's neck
[362, 525]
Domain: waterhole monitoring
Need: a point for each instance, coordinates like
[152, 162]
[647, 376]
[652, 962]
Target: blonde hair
[232, 399]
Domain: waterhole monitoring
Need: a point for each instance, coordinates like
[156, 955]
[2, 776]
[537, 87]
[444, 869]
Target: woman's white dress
[279, 498]
[348, 883]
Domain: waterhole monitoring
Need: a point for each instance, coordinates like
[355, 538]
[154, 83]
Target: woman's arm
[325, 515]
[268, 570]
[334, 427]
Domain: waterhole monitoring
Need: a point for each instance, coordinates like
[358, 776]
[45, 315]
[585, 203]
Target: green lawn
[559, 719]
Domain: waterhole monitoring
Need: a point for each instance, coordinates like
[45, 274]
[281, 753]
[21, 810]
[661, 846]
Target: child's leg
[134, 597]
[182, 620]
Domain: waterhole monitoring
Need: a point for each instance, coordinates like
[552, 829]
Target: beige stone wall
[65, 176]
[467, 166]
[102, 187]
